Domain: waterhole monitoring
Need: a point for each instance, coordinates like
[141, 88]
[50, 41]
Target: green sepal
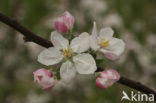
[58, 76]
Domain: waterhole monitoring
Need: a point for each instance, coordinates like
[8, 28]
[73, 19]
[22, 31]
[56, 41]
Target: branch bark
[31, 37]
[28, 35]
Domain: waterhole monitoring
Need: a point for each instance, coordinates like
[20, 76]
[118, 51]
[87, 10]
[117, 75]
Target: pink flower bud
[60, 25]
[44, 78]
[107, 78]
[68, 20]
[64, 23]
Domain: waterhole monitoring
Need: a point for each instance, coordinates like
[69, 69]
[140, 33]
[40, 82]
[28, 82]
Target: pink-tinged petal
[39, 71]
[115, 49]
[107, 78]
[60, 25]
[48, 73]
[68, 20]
[64, 23]
[103, 74]
[44, 78]
[116, 75]
[99, 84]
[110, 74]
[40, 77]
[111, 56]
[48, 88]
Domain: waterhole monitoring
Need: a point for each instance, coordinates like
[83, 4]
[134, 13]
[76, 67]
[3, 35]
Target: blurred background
[132, 20]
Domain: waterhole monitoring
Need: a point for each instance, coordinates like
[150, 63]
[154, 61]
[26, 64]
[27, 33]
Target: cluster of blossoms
[75, 54]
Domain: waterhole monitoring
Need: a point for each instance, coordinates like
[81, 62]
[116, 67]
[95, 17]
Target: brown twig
[30, 36]
[137, 86]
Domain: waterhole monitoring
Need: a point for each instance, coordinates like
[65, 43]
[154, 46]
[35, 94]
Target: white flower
[111, 47]
[78, 61]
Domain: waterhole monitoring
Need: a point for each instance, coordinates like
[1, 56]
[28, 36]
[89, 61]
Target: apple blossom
[68, 20]
[60, 25]
[105, 43]
[44, 78]
[76, 60]
[107, 78]
[64, 23]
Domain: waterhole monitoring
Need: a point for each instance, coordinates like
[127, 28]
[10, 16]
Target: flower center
[67, 52]
[103, 43]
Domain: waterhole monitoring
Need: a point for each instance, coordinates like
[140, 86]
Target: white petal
[67, 72]
[58, 40]
[81, 43]
[115, 49]
[50, 56]
[85, 63]
[93, 43]
[106, 33]
[94, 38]
[94, 31]
[117, 46]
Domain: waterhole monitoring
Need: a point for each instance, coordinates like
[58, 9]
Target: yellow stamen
[67, 52]
[103, 43]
